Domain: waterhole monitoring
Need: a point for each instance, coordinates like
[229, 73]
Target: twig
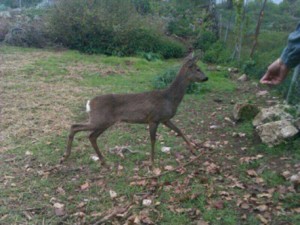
[169, 171]
[114, 213]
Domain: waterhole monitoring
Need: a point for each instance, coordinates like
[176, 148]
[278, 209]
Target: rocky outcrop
[274, 113]
[274, 133]
[275, 124]
[244, 111]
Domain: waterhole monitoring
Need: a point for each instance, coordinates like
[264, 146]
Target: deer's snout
[205, 79]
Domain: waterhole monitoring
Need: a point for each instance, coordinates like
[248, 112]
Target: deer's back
[134, 108]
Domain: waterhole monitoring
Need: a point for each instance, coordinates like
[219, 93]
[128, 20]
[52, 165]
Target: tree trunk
[239, 8]
[260, 18]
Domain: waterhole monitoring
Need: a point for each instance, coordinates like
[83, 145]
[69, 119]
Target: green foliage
[205, 40]
[108, 27]
[2, 7]
[142, 6]
[250, 67]
[272, 178]
[149, 56]
[181, 28]
[217, 53]
[24, 3]
[166, 78]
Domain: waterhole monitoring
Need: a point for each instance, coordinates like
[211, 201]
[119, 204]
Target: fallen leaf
[211, 168]
[138, 183]
[60, 191]
[169, 168]
[81, 204]
[245, 205]
[286, 174]
[85, 186]
[201, 222]
[218, 204]
[259, 180]
[252, 173]
[297, 210]
[59, 209]
[262, 219]
[261, 208]
[265, 195]
[79, 214]
[113, 194]
[157, 171]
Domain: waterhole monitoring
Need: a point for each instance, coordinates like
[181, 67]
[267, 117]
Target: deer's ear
[190, 59]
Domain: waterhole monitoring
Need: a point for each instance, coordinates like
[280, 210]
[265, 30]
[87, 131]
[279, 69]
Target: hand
[275, 74]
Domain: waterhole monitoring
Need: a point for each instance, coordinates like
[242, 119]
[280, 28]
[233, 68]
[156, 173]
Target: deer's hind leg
[93, 139]
[75, 128]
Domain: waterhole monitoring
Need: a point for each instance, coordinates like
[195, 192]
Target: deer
[152, 108]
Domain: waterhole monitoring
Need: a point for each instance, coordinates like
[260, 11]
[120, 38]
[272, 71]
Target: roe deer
[153, 108]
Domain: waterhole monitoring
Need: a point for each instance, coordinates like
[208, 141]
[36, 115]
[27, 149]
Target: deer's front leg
[190, 144]
[152, 129]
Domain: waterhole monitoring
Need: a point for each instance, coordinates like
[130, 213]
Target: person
[290, 58]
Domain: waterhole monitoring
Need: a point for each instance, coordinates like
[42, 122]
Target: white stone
[274, 133]
[166, 149]
[271, 114]
[147, 202]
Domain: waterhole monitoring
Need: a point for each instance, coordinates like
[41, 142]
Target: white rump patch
[88, 107]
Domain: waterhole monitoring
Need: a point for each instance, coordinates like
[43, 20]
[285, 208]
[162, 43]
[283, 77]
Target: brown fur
[153, 108]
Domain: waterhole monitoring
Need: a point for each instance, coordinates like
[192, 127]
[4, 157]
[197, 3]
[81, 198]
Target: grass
[46, 91]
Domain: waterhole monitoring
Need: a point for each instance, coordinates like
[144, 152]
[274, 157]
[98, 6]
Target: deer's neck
[178, 87]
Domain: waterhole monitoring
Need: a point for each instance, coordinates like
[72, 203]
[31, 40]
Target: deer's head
[193, 71]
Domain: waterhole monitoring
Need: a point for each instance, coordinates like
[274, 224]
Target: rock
[244, 111]
[274, 113]
[295, 179]
[273, 133]
[5, 15]
[243, 78]
[297, 123]
[233, 70]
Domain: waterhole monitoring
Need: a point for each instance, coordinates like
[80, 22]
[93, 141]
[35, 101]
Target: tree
[260, 18]
[239, 9]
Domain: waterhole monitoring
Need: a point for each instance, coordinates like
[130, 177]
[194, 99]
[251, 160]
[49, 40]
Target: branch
[114, 213]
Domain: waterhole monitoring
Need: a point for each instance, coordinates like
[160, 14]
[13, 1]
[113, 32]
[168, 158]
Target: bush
[253, 69]
[217, 53]
[166, 78]
[26, 34]
[205, 40]
[180, 28]
[108, 26]
[4, 28]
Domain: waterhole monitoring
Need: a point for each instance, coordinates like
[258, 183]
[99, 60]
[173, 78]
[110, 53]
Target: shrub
[253, 69]
[26, 34]
[4, 28]
[217, 53]
[108, 26]
[205, 40]
[180, 27]
[149, 56]
[166, 78]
